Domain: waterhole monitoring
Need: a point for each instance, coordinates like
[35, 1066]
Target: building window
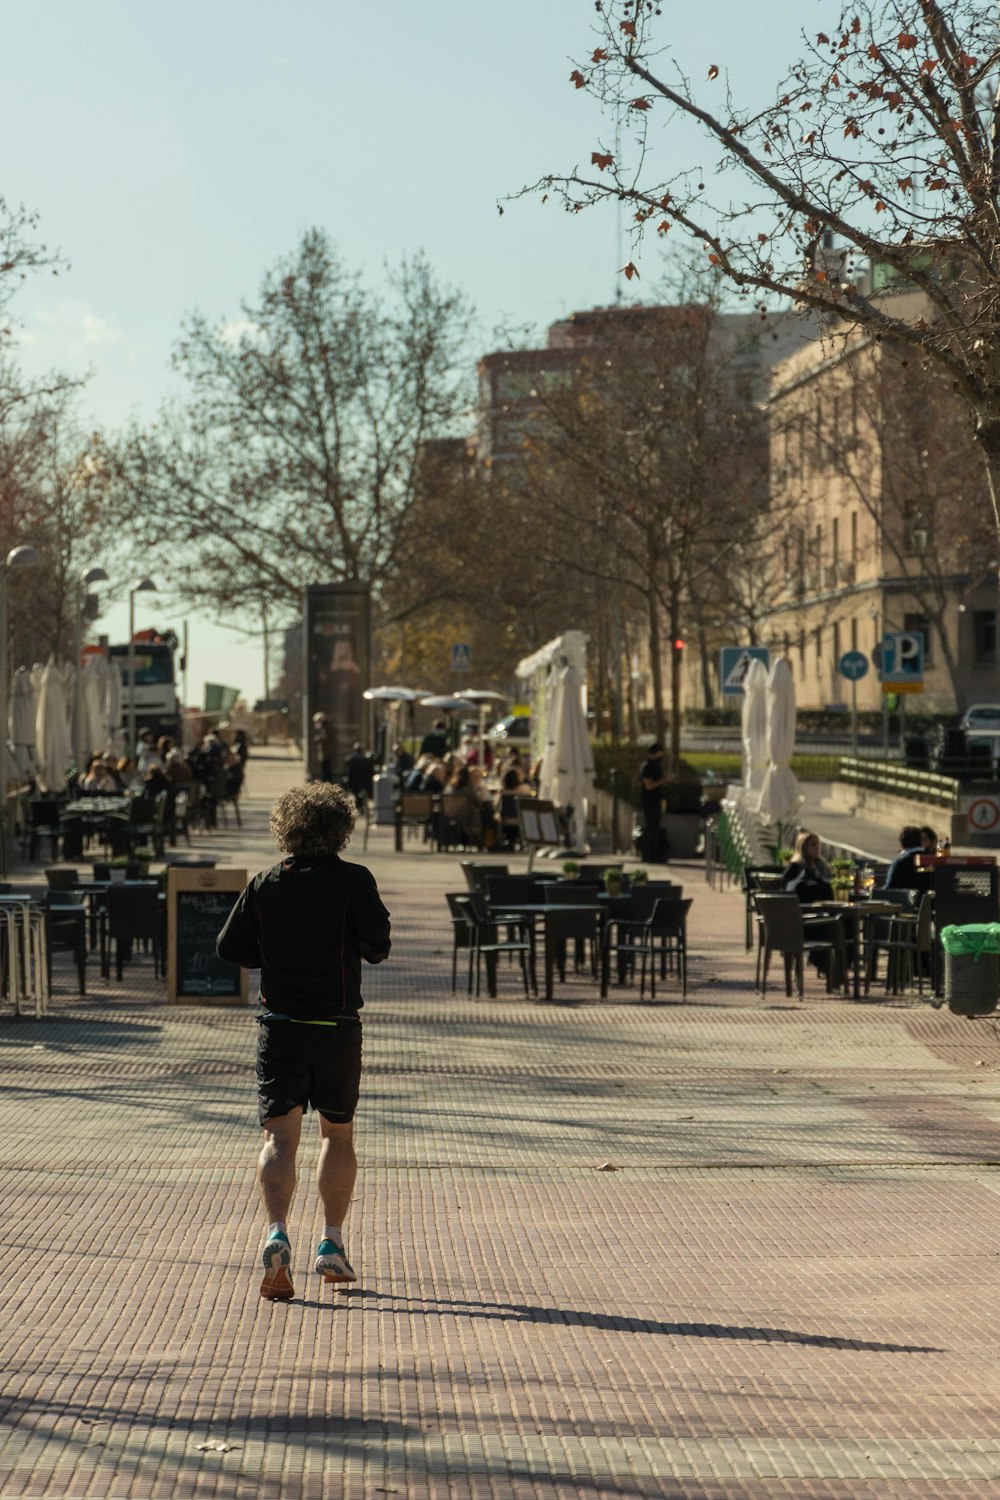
[854, 635]
[854, 536]
[836, 640]
[984, 636]
[923, 625]
[819, 646]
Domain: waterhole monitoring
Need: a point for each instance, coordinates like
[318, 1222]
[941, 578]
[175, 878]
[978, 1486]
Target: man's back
[307, 923]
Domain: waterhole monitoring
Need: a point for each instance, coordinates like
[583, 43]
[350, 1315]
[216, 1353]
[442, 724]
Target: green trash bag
[976, 938]
[972, 968]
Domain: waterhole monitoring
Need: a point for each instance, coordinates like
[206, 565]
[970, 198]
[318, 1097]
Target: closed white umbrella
[754, 725]
[780, 797]
[53, 738]
[567, 777]
[21, 725]
[93, 722]
[113, 704]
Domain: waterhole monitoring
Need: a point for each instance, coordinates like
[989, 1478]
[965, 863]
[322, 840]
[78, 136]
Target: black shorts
[311, 1066]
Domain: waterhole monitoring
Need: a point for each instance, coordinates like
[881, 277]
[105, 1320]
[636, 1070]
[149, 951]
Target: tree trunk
[707, 686]
[676, 681]
[656, 666]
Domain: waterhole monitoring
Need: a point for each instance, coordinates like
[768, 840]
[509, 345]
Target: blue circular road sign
[853, 665]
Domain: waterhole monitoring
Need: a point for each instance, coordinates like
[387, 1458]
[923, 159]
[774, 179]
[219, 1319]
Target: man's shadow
[356, 1298]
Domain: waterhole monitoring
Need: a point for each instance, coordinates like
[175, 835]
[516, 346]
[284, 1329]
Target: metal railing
[901, 781]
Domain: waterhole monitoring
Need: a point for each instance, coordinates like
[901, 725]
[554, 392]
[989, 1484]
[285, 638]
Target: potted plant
[639, 877]
[118, 868]
[784, 857]
[613, 877]
[842, 878]
[570, 869]
[143, 857]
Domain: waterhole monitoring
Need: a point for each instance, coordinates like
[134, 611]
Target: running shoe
[277, 1257]
[332, 1263]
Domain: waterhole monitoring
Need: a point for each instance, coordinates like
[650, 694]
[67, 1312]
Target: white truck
[157, 705]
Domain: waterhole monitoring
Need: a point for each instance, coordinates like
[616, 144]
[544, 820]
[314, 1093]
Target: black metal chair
[790, 932]
[66, 930]
[132, 914]
[463, 936]
[907, 942]
[755, 879]
[43, 824]
[667, 928]
[487, 943]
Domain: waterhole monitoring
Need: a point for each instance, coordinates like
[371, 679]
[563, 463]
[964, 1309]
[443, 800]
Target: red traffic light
[678, 645]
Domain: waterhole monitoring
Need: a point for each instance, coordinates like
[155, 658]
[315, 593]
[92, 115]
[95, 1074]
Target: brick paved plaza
[783, 1289]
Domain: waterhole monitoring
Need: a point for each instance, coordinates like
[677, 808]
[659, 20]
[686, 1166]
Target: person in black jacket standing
[307, 923]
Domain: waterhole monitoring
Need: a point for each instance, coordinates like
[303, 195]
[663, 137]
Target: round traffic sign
[984, 814]
[853, 665]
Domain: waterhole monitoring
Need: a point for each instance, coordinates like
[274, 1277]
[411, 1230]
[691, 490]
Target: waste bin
[972, 968]
[384, 798]
[917, 752]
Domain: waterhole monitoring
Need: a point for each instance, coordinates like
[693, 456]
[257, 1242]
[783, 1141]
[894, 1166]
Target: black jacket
[307, 924]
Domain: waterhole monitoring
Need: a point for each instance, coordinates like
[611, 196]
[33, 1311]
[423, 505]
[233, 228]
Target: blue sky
[173, 153]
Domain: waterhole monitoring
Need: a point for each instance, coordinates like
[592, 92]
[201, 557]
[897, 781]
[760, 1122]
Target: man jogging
[306, 924]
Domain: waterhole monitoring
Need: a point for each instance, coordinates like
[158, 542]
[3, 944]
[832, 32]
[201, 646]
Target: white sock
[278, 1227]
[333, 1232]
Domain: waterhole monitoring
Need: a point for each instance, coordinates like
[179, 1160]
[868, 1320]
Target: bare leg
[276, 1167]
[336, 1169]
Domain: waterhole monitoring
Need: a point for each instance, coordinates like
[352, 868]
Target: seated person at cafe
[435, 741]
[98, 780]
[808, 875]
[402, 760]
[512, 786]
[929, 839]
[903, 874]
[462, 805]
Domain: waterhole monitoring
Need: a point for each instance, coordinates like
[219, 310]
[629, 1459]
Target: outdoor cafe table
[531, 911]
[859, 915]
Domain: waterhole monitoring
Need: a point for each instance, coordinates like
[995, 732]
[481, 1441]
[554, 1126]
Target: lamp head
[93, 575]
[144, 586]
[23, 557]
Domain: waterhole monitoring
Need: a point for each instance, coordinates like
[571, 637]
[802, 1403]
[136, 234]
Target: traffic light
[678, 645]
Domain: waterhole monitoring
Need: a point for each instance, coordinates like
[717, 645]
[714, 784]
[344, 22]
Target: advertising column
[337, 671]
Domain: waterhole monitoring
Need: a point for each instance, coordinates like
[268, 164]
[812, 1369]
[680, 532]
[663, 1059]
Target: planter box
[684, 834]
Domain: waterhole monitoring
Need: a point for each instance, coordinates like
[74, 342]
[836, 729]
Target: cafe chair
[66, 930]
[132, 914]
[667, 928]
[907, 942]
[43, 824]
[486, 942]
[787, 930]
[758, 878]
[61, 877]
[463, 934]
[509, 890]
[476, 871]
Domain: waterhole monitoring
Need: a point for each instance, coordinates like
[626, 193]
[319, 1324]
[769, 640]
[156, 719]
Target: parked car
[981, 718]
[513, 729]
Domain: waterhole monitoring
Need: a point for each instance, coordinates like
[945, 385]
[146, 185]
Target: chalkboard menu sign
[198, 903]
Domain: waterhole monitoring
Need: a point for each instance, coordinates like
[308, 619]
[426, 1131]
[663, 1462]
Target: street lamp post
[18, 557]
[87, 577]
[144, 586]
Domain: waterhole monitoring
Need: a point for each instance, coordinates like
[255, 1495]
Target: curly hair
[313, 820]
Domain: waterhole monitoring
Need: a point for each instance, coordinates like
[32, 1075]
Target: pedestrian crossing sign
[461, 657]
[735, 665]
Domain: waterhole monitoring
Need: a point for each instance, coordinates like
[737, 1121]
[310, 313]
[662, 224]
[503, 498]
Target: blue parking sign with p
[903, 658]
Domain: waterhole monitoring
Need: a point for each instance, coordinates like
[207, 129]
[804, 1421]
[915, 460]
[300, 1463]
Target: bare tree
[639, 472]
[881, 148]
[294, 460]
[49, 499]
